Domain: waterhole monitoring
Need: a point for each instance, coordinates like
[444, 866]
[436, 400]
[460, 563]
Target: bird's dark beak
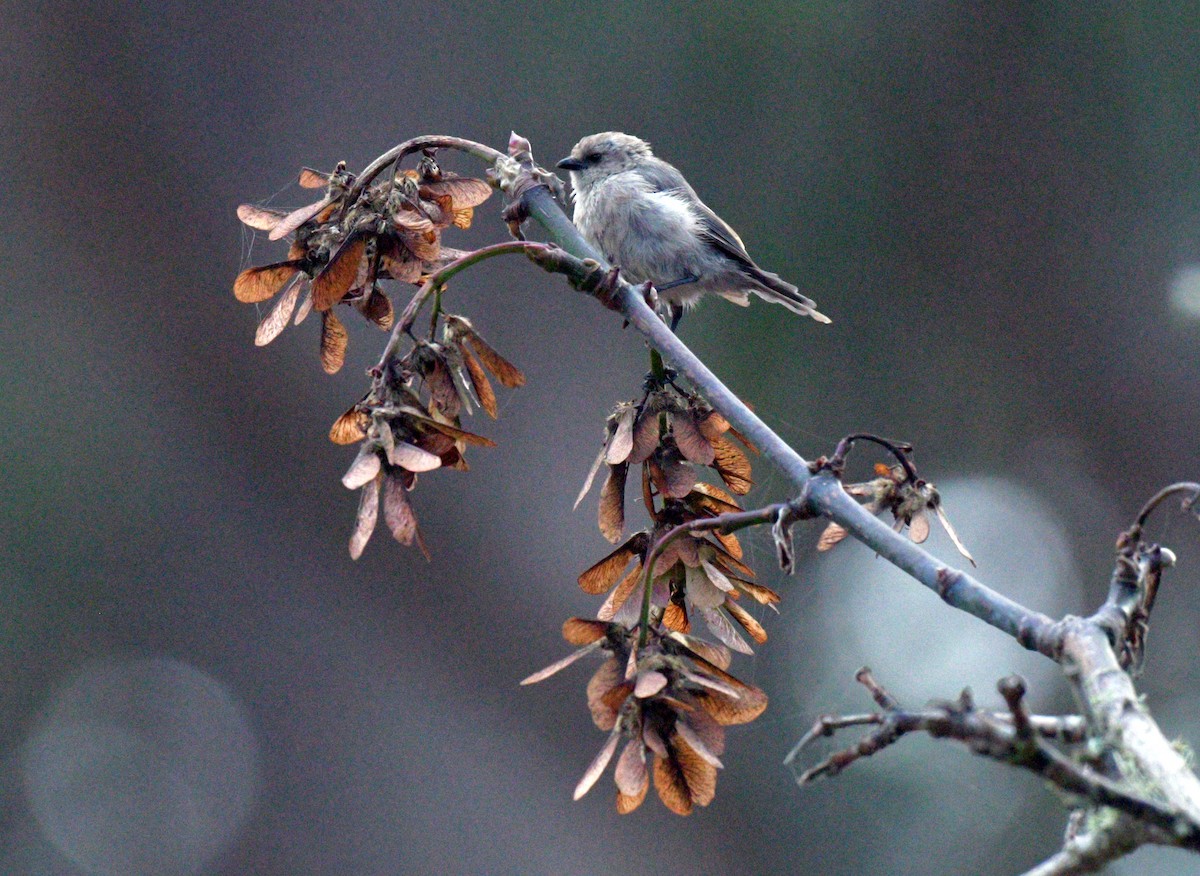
[570, 163]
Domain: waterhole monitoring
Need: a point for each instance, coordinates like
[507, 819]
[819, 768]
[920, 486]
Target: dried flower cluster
[668, 433]
[671, 696]
[344, 246]
[403, 434]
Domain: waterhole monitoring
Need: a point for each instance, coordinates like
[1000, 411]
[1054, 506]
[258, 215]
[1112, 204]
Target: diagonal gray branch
[1134, 754]
[824, 493]
[1137, 788]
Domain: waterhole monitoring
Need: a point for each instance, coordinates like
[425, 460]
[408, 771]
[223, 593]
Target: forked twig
[1016, 738]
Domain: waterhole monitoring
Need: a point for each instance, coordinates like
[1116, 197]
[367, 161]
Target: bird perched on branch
[640, 212]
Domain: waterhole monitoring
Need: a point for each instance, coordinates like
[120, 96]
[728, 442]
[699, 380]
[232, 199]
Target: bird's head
[599, 156]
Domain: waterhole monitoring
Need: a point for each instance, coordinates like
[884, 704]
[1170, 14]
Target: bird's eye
[592, 158]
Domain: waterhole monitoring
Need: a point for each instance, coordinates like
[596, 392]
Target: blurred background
[999, 208]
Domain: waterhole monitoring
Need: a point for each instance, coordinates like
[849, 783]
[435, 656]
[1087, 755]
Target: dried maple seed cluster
[897, 489]
[669, 700]
[671, 697]
[700, 571]
[403, 434]
[668, 434]
[344, 246]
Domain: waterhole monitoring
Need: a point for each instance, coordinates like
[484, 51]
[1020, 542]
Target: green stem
[657, 369]
[435, 284]
[435, 312]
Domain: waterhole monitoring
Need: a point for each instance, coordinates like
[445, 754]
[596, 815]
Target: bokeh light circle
[145, 766]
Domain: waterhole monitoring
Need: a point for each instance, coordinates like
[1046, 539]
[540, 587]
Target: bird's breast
[651, 235]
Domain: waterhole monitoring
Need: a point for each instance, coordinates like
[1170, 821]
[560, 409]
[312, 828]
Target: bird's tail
[771, 288]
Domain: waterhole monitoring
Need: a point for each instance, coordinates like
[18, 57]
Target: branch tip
[1012, 688]
[898, 449]
[1189, 503]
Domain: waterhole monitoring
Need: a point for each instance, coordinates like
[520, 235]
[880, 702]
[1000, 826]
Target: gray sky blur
[999, 208]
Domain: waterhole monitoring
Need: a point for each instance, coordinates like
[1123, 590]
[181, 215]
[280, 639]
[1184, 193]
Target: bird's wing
[662, 177]
[722, 237]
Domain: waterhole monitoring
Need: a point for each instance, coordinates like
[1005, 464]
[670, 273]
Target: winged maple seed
[700, 571]
[342, 251]
[908, 498]
[474, 357]
[668, 434]
[670, 700]
[671, 697]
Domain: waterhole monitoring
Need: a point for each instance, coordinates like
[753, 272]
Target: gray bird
[643, 216]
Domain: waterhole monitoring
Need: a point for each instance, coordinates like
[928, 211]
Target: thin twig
[1193, 489]
[898, 449]
[437, 281]
[1013, 741]
[417, 144]
[729, 522]
[1137, 572]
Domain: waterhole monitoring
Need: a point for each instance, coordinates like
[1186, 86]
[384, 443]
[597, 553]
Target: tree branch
[1135, 786]
[825, 496]
[1137, 750]
[1014, 738]
[1093, 842]
[1154, 785]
